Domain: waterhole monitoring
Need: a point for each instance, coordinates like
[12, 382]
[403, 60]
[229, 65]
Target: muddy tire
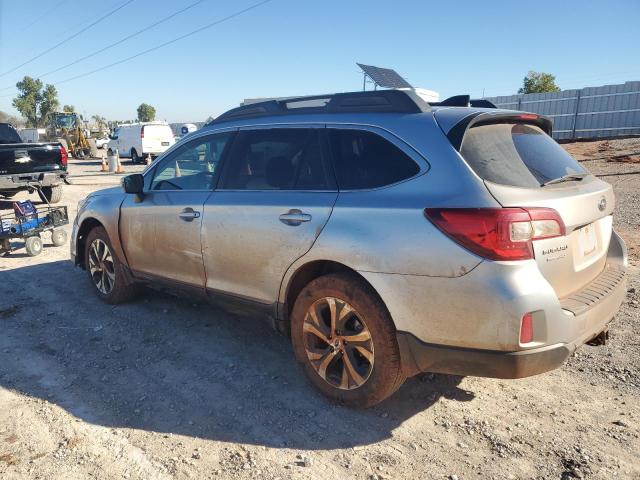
[51, 194]
[106, 272]
[344, 337]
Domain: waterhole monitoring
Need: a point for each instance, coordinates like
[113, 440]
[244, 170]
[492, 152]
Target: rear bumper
[583, 316]
[418, 357]
[22, 181]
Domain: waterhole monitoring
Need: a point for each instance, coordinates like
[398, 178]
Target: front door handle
[188, 215]
[294, 217]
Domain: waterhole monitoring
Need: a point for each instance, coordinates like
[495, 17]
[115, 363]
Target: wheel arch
[301, 278]
[87, 225]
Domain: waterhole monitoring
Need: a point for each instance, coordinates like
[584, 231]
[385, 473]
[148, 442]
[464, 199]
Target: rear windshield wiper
[565, 178]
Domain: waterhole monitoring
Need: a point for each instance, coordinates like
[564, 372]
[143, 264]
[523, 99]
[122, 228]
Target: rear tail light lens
[498, 233]
[63, 156]
[526, 328]
[142, 132]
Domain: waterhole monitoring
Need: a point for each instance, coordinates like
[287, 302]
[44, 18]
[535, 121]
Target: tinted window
[192, 166]
[276, 159]
[516, 154]
[366, 160]
[8, 134]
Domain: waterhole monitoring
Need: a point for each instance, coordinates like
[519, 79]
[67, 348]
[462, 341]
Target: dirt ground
[166, 388]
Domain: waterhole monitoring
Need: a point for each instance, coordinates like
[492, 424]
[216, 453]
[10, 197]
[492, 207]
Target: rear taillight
[142, 132]
[63, 156]
[498, 233]
[526, 328]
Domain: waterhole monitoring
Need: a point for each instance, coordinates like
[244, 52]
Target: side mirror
[133, 183]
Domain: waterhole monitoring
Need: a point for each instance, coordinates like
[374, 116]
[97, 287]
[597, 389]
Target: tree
[100, 121]
[68, 109]
[34, 102]
[146, 113]
[539, 82]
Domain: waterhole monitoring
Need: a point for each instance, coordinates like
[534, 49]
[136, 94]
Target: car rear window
[8, 134]
[516, 154]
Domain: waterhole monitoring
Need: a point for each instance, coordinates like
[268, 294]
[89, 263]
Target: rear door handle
[188, 215]
[294, 217]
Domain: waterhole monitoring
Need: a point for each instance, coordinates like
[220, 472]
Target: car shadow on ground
[168, 364]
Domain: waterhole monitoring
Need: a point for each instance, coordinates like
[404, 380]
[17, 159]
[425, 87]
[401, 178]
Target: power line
[122, 40]
[169, 42]
[68, 38]
[45, 14]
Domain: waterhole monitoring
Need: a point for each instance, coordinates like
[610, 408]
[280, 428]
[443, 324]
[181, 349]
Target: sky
[300, 47]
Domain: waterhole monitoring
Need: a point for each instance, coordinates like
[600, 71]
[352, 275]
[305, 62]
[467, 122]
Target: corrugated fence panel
[592, 112]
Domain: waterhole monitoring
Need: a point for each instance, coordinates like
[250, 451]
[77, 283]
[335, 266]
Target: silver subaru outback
[384, 235]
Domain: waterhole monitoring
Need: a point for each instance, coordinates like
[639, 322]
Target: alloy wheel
[338, 343]
[101, 267]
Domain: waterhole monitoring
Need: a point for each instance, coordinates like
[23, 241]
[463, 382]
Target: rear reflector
[498, 233]
[63, 156]
[526, 328]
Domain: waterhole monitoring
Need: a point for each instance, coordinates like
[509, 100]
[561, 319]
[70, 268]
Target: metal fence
[591, 112]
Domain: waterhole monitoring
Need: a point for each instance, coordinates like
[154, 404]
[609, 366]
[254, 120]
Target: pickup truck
[25, 164]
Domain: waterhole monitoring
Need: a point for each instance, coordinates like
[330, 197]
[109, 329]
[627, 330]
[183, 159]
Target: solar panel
[384, 77]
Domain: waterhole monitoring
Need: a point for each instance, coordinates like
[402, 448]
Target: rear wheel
[8, 194]
[134, 157]
[345, 339]
[58, 237]
[33, 245]
[106, 272]
[51, 194]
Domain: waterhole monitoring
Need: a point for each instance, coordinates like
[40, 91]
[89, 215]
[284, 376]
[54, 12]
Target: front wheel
[345, 339]
[33, 245]
[106, 272]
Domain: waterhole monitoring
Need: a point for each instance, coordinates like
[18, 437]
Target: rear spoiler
[463, 101]
[456, 134]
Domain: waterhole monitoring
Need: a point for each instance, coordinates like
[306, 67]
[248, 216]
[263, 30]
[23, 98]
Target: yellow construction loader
[67, 129]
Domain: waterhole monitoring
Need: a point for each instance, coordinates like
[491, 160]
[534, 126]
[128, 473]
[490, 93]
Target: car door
[274, 198]
[161, 232]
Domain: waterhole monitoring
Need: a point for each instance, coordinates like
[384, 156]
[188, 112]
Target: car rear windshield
[516, 154]
[8, 134]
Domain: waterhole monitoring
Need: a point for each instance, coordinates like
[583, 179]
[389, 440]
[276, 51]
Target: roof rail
[464, 101]
[379, 101]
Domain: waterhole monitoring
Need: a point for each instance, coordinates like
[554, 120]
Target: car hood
[107, 191]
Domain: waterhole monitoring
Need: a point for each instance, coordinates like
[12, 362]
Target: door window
[277, 159]
[365, 160]
[192, 166]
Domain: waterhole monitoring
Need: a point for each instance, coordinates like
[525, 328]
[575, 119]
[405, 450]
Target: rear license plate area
[587, 240]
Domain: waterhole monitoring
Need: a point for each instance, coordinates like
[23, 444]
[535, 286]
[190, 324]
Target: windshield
[65, 121]
[8, 134]
[516, 154]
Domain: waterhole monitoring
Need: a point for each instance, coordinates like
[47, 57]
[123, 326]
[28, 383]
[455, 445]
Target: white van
[33, 135]
[137, 140]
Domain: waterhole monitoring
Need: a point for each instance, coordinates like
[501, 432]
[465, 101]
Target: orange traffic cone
[119, 167]
[149, 159]
[103, 167]
[178, 171]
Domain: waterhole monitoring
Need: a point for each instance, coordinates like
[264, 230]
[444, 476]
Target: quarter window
[192, 166]
[365, 160]
[276, 159]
